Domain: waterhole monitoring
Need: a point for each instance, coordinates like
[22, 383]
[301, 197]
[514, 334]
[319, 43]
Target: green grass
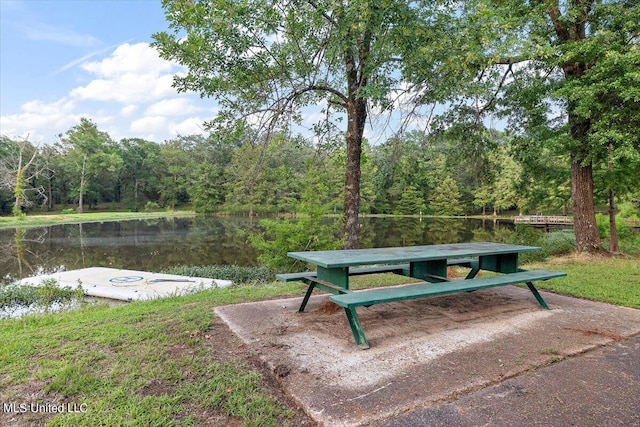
[613, 280]
[76, 218]
[155, 363]
[143, 363]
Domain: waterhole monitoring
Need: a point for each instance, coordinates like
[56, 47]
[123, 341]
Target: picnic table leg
[536, 294]
[307, 295]
[356, 328]
[474, 271]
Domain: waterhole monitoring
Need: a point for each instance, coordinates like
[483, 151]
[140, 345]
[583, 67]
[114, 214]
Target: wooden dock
[544, 221]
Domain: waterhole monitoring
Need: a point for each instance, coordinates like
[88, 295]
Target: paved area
[491, 357]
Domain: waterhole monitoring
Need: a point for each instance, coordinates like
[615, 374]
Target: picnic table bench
[426, 263]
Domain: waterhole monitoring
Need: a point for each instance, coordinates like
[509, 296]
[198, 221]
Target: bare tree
[16, 172]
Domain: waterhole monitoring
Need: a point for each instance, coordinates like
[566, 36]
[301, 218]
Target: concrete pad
[423, 352]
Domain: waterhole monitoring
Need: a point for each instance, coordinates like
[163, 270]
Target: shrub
[560, 242]
[151, 206]
[623, 230]
[237, 274]
[44, 295]
[279, 237]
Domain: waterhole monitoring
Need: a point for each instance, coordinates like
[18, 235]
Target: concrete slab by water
[423, 353]
[126, 285]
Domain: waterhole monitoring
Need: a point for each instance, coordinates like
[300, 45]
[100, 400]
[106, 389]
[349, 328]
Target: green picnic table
[426, 263]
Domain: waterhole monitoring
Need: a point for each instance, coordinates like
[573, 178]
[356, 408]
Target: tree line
[417, 173]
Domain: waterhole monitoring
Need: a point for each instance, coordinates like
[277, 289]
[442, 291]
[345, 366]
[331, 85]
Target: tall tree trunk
[18, 190]
[82, 177]
[356, 107]
[357, 113]
[49, 188]
[584, 212]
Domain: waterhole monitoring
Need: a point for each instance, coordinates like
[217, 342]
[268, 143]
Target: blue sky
[62, 60]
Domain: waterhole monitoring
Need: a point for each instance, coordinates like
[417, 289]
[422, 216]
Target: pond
[154, 245]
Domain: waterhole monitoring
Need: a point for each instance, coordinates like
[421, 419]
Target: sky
[62, 60]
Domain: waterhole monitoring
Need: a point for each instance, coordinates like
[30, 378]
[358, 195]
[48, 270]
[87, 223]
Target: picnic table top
[352, 257]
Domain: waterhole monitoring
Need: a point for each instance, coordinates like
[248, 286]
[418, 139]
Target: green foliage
[281, 236]
[445, 199]
[92, 160]
[237, 274]
[623, 230]
[42, 296]
[557, 243]
[629, 210]
[411, 202]
[151, 206]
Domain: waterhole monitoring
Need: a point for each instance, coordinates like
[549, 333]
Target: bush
[237, 274]
[151, 206]
[68, 211]
[44, 295]
[560, 242]
[305, 234]
[623, 230]
[555, 243]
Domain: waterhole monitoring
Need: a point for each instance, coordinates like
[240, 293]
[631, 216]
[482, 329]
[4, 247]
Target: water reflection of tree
[16, 255]
[408, 231]
[445, 231]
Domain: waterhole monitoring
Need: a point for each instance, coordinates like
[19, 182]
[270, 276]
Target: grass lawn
[613, 280]
[172, 362]
[76, 218]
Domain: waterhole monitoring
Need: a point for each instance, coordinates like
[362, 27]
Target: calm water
[153, 245]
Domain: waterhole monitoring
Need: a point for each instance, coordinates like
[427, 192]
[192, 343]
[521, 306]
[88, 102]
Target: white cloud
[133, 73]
[44, 32]
[83, 59]
[148, 124]
[139, 58]
[128, 94]
[172, 107]
[128, 110]
[39, 120]
[190, 126]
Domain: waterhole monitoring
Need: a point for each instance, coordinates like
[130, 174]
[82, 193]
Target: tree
[411, 202]
[403, 162]
[264, 61]
[139, 172]
[445, 199]
[93, 158]
[173, 187]
[565, 72]
[17, 171]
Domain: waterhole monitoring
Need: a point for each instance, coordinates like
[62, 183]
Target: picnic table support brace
[473, 272]
[312, 283]
[536, 294]
[356, 328]
[307, 295]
